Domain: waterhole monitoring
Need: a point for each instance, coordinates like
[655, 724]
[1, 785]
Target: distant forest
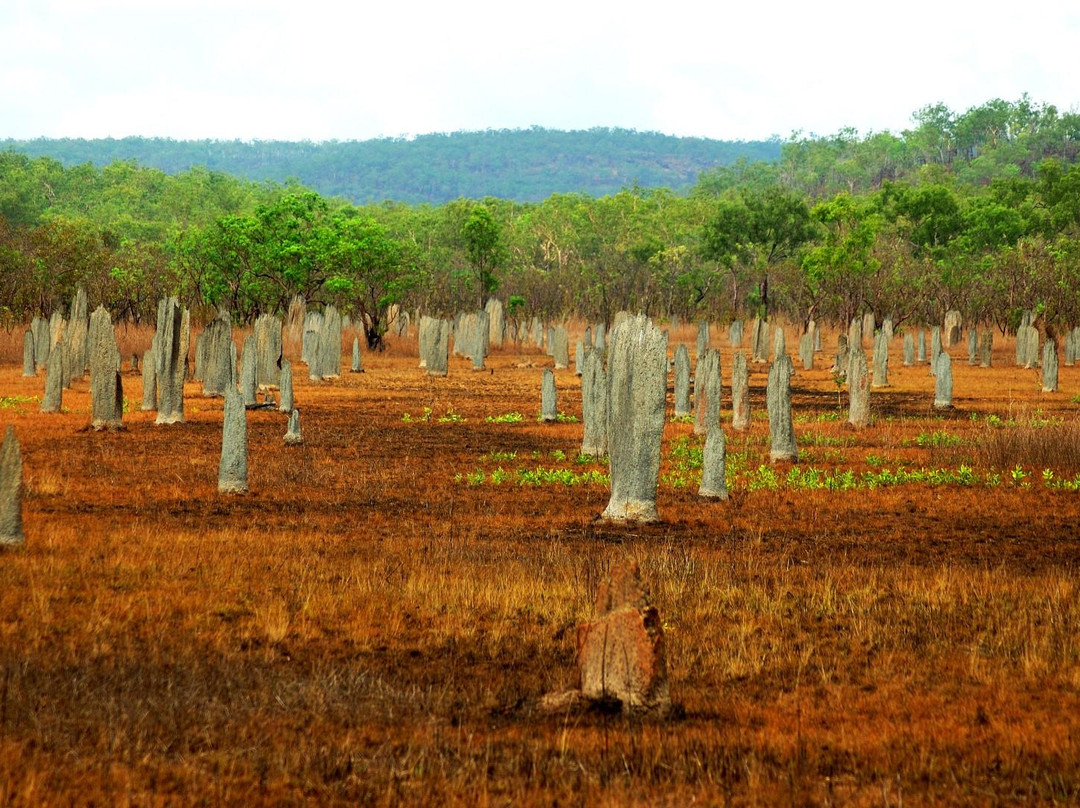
[520, 165]
[977, 211]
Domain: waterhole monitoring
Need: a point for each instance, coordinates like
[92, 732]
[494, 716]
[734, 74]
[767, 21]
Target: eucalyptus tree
[756, 230]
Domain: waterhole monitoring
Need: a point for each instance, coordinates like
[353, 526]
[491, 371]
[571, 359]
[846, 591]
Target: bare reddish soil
[369, 627]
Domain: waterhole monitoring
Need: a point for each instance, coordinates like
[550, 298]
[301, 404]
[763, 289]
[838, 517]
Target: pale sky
[316, 70]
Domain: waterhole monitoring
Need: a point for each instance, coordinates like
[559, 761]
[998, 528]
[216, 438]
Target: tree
[839, 266]
[368, 270]
[484, 247]
[758, 229]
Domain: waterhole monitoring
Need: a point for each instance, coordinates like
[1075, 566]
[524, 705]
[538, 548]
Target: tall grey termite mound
[549, 409]
[29, 368]
[437, 358]
[311, 340]
[357, 360]
[682, 381]
[705, 366]
[249, 373]
[232, 470]
[881, 360]
[106, 389]
[218, 369]
[285, 384]
[329, 355]
[855, 333]
[953, 328]
[76, 335]
[294, 321]
[638, 391]
[703, 340]
[943, 387]
[594, 405]
[759, 341]
[11, 523]
[806, 351]
[268, 339]
[54, 383]
[42, 342]
[779, 345]
[708, 389]
[560, 348]
[496, 322]
[858, 390]
[740, 393]
[1050, 367]
[868, 326]
[935, 349]
[713, 483]
[778, 400]
[171, 352]
[735, 333]
[481, 342]
[843, 355]
[986, 348]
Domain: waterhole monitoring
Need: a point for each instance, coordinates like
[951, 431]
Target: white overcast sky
[310, 69]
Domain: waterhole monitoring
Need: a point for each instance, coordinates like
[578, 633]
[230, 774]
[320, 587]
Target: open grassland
[896, 620]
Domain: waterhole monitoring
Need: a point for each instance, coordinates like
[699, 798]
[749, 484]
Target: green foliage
[937, 440]
[482, 235]
[526, 165]
[756, 230]
[505, 418]
[974, 210]
[498, 457]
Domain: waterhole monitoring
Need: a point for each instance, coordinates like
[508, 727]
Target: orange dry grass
[362, 629]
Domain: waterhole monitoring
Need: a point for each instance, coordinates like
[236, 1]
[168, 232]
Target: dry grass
[362, 630]
[1048, 445]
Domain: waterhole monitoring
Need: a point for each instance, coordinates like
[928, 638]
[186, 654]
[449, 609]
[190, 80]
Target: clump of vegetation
[1054, 446]
[937, 439]
[505, 418]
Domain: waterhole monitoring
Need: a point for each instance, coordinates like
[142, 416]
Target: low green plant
[584, 460]
[817, 417]
[16, 402]
[1019, 476]
[499, 476]
[408, 419]
[498, 457]
[505, 418]
[543, 476]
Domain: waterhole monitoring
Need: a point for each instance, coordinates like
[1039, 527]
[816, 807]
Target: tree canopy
[978, 211]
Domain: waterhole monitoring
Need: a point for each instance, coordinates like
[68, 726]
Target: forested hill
[523, 165]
